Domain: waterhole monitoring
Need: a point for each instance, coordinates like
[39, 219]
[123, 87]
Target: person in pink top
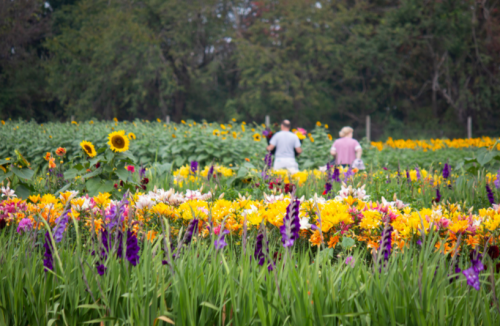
[346, 149]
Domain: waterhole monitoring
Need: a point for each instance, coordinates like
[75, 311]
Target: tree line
[412, 65]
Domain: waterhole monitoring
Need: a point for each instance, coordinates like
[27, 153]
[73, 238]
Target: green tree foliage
[410, 64]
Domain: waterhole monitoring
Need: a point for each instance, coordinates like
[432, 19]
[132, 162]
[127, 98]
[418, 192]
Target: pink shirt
[346, 150]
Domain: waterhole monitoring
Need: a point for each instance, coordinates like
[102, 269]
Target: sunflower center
[118, 142]
[88, 149]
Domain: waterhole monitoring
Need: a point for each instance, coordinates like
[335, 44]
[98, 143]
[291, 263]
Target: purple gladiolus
[220, 242]
[417, 169]
[328, 187]
[458, 270]
[188, 236]
[386, 242]
[142, 172]
[133, 248]
[48, 262]
[194, 166]
[25, 225]
[291, 224]
[497, 181]
[348, 174]
[336, 175]
[472, 273]
[259, 253]
[408, 176]
[61, 223]
[268, 159]
[446, 171]
[438, 196]
[101, 269]
[491, 197]
[419, 242]
[210, 172]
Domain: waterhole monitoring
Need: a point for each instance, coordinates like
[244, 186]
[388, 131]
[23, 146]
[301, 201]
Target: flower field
[116, 225]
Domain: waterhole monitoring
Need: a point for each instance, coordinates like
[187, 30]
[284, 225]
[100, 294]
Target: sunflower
[243, 127]
[256, 137]
[330, 137]
[234, 134]
[216, 132]
[88, 148]
[131, 135]
[318, 123]
[118, 141]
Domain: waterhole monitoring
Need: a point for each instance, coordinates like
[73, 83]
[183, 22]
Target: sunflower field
[144, 223]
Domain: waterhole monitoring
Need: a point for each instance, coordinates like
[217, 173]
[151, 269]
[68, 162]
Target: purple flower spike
[336, 175]
[210, 172]
[188, 236]
[386, 242]
[438, 196]
[259, 253]
[268, 159]
[472, 273]
[408, 176]
[491, 197]
[101, 269]
[220, 242]
[291, 224]
[48, 262]
[446, 171]
[328, 188]
[61, 223]
[194, 166]
[419, 242]
[348, 174]
[142, 172]
[417, 169]
[458, 270]
[25, 225]
[132, 248]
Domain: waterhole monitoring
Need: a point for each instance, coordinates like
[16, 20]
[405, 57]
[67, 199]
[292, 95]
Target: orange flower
[316, 239]
[247, 159]
[472, 241]
[47, 156]
[52, 163]
[333, 241]
[60, 151]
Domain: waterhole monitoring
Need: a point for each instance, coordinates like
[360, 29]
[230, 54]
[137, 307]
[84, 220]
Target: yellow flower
[74, 122]
[326, 126]
[216, 132]
[102, 199]
[311, 139]
[223, 127]
[3, 122]
[115, 119]
[235, 134]
[234, 120]
[34, 199]
[131, 135]
[174, 136]
[3, 169]
[158, 119]
[257, 137]
[183, 122]
[243, 127]
[91, 122]
[318, 123]
[118, 141]
[88, 148]
[330, 138]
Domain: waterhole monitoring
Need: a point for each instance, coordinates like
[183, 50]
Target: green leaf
[70, 174]
[93, 185]
[347, 242]
[122, 173]
[4, 176]
[22, 173]
[22, 191]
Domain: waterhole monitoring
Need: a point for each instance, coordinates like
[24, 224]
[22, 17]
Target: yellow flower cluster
[345, 216]
[437, 144]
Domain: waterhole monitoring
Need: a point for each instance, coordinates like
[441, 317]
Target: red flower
[289, 187]
[494, 252]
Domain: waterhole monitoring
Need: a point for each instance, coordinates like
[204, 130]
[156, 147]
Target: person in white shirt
[286, 144]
